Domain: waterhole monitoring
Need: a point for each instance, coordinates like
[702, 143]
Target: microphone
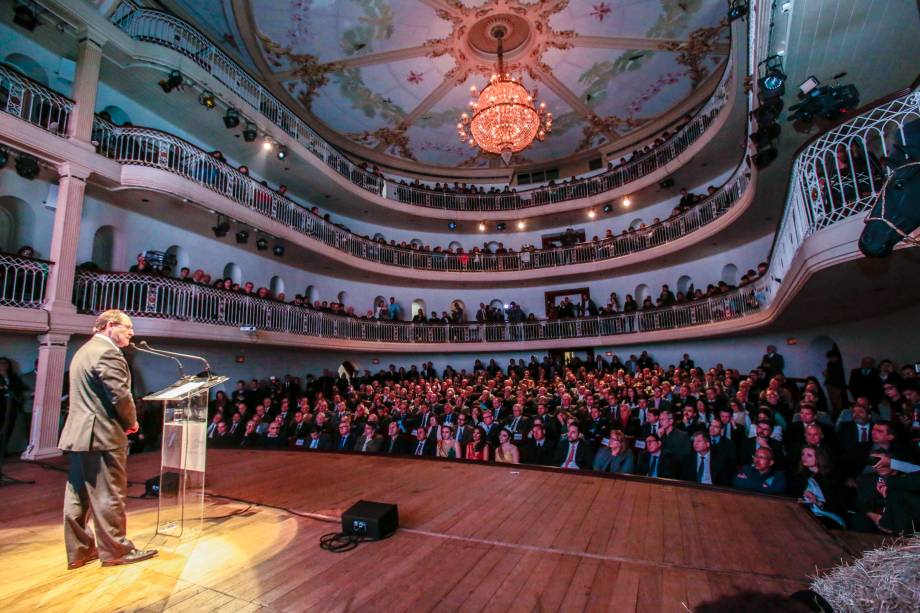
[207, 367]
[147, 349]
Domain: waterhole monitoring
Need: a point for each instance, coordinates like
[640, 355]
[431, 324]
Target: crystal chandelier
[504, 119]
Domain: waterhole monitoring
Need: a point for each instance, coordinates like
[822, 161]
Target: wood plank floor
[472, 538]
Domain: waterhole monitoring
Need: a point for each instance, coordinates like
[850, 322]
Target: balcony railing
[31, 101]
[22, 281]
[149, 296]
[163, 29]
[147, 147]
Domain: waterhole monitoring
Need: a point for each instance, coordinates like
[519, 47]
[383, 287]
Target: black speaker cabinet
[374, 520]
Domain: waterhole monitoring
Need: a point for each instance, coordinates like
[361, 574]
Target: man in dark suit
[101, 416]
[518, 425]
[762, 438]
[464, 432]
[855, 441]
[865, 381]
[319, 440]
[394, 443]
[346, 439]
[573, 452]
[652, 462]
[674, 442]
[772, 363]
[369, 442]
[539, 450]
[422, 446]
[706, 465]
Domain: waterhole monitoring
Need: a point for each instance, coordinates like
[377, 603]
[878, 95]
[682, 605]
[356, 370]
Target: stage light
[242, 237]
[592, 214]
[608, 208]
[765, 157]
[452, 226]
[222, 227]
[737, 9]
[206, 99]
[773, 83]
[500, 226]
[250, 133]
[262, 244]
[27, 167]
[231, 118]
[482, 227]
[627, 202]
[4, 157]
[769, 111]
[282, 152]
[267, 144]
[278, 250]
[171, 82]
[25, 17]
[521, 225]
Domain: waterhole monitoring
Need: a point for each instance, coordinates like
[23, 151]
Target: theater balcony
[143, 41]
[154, 161]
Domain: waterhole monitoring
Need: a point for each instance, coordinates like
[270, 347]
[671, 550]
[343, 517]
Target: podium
[183, 454]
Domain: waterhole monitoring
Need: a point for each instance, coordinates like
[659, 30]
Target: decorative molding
[309, 70]
[693, 52]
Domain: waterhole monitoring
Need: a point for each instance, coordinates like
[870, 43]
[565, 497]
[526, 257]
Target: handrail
[161, 28]
[31, 101]
[23, 281]
[150, 296]
[153, 148]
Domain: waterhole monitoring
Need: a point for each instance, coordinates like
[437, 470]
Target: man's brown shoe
[137, 555]
[81, 563]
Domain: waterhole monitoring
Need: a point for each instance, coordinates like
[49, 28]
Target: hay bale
[883, 579]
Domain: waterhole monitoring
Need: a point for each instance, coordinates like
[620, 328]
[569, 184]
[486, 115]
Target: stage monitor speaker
[374, 520]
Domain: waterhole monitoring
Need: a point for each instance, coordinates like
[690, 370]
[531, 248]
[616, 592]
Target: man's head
[538, 433]
[763, 460]
[814, 434]
[116, 326]
[763, 429]
[882, 434]
[344, 428]
[701, 442]
[807, 414]
[715, 428]
[665, 421]
[573, 432]
[860, 414]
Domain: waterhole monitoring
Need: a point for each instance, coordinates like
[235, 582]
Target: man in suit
[772, 363]
[422, 446]
[518, 425]
[855, 441]
[762, 438]
[369, 442]
[865, 381]
[674, 442]
[573, 452]
[394, 443]
[706, 465]
[464, 432]
[101, 416]
[346, 438]
[652, 462]
[319, 440]
[539, 450]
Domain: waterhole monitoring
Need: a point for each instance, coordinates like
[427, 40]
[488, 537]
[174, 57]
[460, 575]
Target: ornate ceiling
[392, 76]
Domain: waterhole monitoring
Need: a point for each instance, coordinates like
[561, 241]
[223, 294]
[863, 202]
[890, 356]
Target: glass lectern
[182, 460]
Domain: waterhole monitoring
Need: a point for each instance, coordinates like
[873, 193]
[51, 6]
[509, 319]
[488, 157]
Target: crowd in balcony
[848, 450]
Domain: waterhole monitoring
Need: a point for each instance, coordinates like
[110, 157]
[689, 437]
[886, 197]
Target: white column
[65, 236]
[46, 409]
[85, 87]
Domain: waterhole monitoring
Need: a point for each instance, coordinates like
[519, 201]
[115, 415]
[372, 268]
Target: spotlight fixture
[25, 17]
[773, 83]
[242, 237]
[608, 208]
[231, 118]
[452, 226]
[267, 144]
[206, 99]
[768, 111]
[278, 250]
[250, 132]
[4, 157]
[500, 226]
[482, 227]
[592, 214]
[171, 82]
[262, 244]
[521, 225]
[627, 201]
[737, 9]
[27, 167]
[222, 227]
[282, 152]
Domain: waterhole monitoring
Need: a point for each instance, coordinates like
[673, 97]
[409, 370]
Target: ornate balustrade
[163, 29]
[158, 297]
[31, 101]
[22, 281]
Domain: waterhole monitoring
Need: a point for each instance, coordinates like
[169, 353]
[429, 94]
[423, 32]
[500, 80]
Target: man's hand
[133, 429]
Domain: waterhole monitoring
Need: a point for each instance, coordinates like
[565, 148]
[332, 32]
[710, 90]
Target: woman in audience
[478, 448]
[448, 446]
[617, 457]
[815, 487]
[506, 452]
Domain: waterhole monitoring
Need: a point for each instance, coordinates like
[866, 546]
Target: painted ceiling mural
[394, 75]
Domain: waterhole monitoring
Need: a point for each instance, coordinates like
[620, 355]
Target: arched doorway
[459, 303]
[104, 248]
[28, 67]
[454, 245]
[641, 293]
[730, 274]
[418, 305]
[232, 271]
[16, 218]
[684, 283]
[117, 115]
[276, 285]
[180, 256]
[310, 294]
[342, 297]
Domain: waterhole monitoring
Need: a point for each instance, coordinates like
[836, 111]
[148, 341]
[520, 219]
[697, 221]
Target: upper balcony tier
[204, 63]
[193, 174]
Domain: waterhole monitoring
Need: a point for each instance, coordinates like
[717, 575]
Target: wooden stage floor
[473, 538]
